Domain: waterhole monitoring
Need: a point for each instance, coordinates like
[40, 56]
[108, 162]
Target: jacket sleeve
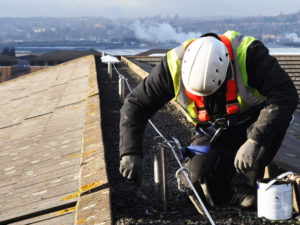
[266, 75]
[140, 105]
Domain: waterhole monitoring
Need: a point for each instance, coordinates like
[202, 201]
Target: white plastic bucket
[274, 202]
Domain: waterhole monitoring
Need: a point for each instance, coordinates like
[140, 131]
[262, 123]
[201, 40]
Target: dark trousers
[225, 181]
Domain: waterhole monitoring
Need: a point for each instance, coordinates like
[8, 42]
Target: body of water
[274, 49]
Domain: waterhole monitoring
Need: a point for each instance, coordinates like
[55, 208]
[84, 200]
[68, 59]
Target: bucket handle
[281, 176]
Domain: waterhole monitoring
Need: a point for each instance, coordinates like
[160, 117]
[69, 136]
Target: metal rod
[160, 177]
[109, 67]
[167, 142]
[121, 90]
[184, 172]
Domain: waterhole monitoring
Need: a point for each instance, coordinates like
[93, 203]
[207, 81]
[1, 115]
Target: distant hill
[148, 30]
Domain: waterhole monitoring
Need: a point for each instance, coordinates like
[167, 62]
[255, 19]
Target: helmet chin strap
[202, 113]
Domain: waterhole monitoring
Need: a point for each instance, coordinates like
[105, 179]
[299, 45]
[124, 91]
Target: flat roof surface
[288, 156]
[51, 149]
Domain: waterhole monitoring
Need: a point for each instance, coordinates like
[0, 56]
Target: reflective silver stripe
[243, 91]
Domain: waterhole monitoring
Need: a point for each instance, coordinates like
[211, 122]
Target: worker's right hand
[131, 167]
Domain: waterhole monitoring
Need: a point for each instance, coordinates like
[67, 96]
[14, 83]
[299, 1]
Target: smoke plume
[160, 33]
[292, 37]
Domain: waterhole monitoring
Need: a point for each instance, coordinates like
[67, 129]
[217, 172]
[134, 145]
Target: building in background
[58, 57]
[8, 67]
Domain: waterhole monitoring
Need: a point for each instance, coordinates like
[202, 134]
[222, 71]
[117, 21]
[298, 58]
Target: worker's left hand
[245, 156]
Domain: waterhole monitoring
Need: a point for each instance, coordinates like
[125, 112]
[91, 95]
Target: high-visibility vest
[246, 96]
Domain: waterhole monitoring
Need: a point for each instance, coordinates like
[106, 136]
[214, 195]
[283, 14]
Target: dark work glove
[201, 165]
[245, 156]
[131, 167]
[202, 158]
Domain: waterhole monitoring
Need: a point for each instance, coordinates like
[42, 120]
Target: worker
[240, 100]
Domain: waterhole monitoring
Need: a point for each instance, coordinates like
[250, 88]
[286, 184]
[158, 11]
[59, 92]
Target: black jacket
[264, 74]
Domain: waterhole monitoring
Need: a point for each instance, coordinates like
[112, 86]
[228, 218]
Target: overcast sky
[142, 8]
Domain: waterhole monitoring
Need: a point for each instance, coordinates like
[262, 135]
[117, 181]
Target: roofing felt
[63, 55]
[51, 149]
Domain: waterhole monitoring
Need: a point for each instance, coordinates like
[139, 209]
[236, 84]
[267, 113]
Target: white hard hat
[204, 66]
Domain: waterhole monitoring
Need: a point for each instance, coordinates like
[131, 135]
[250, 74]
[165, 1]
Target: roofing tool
[206, 193]
[182, 170]
[214, 129]
[179, 147]
[196, 203]
[204, 185]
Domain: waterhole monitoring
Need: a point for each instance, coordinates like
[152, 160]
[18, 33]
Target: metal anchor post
[160, 177]
[121, 90]
[109, 70]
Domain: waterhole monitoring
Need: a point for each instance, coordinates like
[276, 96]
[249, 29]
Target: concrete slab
[50, 155]
[94, 208]
[66, 218]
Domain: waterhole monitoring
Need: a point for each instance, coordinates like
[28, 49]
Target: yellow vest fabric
[247, 96]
